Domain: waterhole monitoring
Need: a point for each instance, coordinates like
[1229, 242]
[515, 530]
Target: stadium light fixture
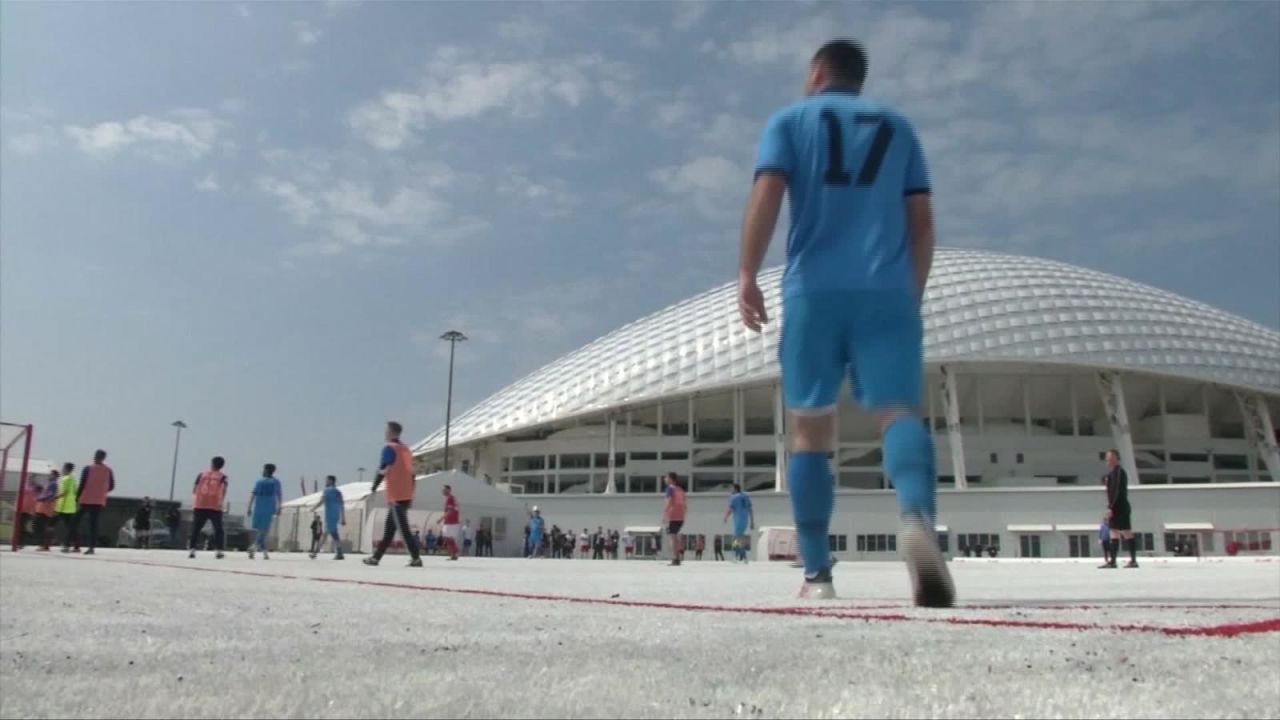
[173, 474]
[453, 337]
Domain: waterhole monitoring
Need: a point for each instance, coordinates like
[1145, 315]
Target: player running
[335, 514]
[858, 256]
[396, 467]
[743, 514]
[210, 492]
[264, 507]
[451, 519]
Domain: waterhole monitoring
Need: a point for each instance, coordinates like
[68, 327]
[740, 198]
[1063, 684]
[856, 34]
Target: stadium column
[1111, 388]
[612, 487]
[779, 440]
[1262, 432]
[951, 405]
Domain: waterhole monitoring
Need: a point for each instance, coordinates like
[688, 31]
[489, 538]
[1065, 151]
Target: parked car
[128, 535]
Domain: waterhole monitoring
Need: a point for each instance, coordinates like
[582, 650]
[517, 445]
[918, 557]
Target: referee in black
[1119, 513]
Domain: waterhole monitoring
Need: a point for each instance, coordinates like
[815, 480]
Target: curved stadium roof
[980, 306]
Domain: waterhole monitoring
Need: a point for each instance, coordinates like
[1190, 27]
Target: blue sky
[258, 217]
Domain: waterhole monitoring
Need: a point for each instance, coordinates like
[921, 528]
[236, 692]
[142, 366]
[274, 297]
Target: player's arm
[84, 479]
[111, 481]
[388, 458]
[919, 205]
[774, 161]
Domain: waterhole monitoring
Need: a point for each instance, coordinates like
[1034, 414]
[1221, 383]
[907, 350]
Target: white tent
[482, 505]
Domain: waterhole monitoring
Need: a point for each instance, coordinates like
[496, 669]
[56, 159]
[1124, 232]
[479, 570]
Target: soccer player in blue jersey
[743, 514]
[335, 514]
[858, 256]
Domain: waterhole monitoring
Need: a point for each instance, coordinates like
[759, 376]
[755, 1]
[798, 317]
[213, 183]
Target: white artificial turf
[139, 634]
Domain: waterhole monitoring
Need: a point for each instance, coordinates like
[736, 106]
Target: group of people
[62, 501]
[602, 544]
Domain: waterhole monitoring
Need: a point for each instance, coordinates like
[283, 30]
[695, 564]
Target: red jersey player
[452, 520]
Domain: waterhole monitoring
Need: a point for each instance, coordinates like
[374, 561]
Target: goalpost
[15, 442]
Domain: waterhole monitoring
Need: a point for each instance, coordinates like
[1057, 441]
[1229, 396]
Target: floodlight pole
[177, 440]
[453, 337]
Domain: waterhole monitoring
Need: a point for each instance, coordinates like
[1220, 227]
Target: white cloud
[711, 183]
[456, 89]
[524, 30]
[208, 183]
[689, 13]
[306, 33]
[549, 197]
[181, 134]
[30, 143]
[326, 193]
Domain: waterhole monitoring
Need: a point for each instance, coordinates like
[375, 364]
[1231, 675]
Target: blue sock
[909, 461]
[812, 500]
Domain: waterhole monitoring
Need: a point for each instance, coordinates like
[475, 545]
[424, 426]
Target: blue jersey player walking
[743, 516]
[858, 257]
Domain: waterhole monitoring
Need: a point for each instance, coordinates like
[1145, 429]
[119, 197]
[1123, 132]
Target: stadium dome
[980, 307]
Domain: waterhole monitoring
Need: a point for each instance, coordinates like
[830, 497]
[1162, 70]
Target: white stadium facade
[1034, 369]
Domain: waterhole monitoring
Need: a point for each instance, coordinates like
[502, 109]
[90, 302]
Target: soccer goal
[15, 466]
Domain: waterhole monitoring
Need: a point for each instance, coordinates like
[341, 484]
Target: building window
[995, 458]
[713, 457]
[574, 484]
[1068, 480]
[1189, 457]
[861, 481]
[528, 462]
[757, 481]
[1019, 458]
[575, 462]
[1078, 545]
[876, 543]
[675, 418]
[861, 457]
[1030, 545]
[681, 455]
[712, 482]
[979, 543]
[759, 459]
[642, 484]
[1146, 541]
[529, 484]
[713, 418]
[944, 542]
[1230, 462]
[643, 456]
[838, 543]
[757, 411]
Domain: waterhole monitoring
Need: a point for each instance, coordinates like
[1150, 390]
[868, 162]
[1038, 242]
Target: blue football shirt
[850, 162]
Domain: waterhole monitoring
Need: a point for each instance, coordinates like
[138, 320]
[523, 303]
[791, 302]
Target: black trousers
[397, 516]
[92, 512]
[198, 519]
[316, 542]
[719, 554]
[40, 534]
[69, 523]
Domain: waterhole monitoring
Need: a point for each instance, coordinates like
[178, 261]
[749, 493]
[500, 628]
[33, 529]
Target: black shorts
[674, 527]
[1122, 518]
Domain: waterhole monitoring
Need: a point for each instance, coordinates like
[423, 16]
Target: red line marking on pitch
[1228, 630]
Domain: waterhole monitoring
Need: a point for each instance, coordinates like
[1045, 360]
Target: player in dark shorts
[1119, 514]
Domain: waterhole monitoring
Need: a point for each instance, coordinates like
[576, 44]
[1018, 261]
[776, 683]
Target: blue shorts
[739, 528]
[876, 337]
